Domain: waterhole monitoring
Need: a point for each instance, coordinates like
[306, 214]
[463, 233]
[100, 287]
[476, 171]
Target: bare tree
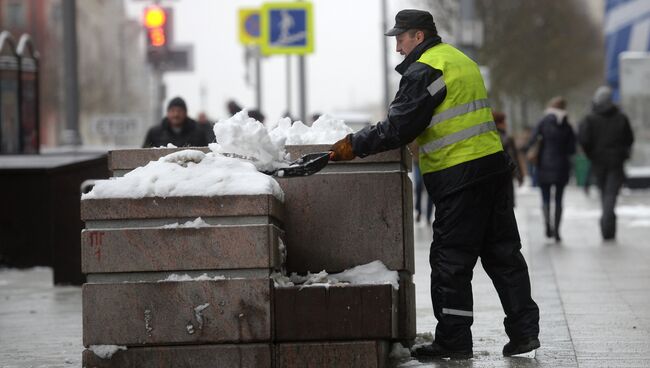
[538, 49]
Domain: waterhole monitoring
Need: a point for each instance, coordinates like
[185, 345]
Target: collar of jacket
[416, 53]
[187, 126]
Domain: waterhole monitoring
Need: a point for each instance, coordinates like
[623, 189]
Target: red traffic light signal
[155, 21]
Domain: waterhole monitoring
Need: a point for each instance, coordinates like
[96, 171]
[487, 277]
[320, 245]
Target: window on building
[15, 14]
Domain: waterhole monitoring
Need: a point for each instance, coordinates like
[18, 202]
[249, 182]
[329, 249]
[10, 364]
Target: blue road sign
[287, 28]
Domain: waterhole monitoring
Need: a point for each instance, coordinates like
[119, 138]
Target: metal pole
[302, 88]
[71, 136]
[158, 95]
[289, 85]
[384, 43]
[258, 75]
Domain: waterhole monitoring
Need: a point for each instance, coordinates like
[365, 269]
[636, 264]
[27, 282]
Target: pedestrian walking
[510, 148]
[556, 143]
[419, 187]
[442, 101]
[606, 138]
[176, 128]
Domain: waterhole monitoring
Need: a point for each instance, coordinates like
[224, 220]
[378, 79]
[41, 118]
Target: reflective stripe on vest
[461, 128]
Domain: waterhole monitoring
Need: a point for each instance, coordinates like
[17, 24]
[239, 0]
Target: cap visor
[395, 31]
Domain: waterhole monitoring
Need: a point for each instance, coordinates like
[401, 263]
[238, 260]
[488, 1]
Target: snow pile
[325, 130]
[373, 273]
[244, 147]
[176, 277]
[398, 351]
[106, 351]
[247, 137]
[188, 173]
[197, 223]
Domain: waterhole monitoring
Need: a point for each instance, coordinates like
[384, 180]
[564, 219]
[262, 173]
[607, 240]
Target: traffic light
[157, 22]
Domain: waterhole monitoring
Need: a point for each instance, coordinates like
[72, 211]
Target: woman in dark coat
[557, 144]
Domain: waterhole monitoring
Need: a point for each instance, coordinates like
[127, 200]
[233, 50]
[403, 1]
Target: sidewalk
[593, 296]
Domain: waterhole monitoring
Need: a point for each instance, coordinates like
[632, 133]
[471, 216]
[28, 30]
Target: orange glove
[342, 150]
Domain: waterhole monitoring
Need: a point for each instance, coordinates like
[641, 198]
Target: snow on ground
[373, 273]
[244, 147]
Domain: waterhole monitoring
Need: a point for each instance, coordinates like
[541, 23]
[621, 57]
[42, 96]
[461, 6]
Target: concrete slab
[358, 354]
[202, 356]
[167, 313]
[338, 221]
[174, 207]
[206, 248]
[335, 313]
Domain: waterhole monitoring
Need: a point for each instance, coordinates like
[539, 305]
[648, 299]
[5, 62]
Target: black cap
[411, 19]
[178, 102]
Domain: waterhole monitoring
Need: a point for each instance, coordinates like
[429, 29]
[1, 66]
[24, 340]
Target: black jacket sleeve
[408, 115]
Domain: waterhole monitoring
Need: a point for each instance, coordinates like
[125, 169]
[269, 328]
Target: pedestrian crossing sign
[249, 26]
[287, 28]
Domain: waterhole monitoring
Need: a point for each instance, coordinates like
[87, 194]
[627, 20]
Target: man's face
[406, 43]
[176, 116]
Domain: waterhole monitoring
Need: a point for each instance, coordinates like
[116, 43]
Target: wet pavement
[594, 296]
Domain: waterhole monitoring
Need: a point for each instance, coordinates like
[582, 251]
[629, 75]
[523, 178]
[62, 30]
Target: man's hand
[342, 150]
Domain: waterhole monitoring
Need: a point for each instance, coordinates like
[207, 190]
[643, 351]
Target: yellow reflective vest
[461, 128]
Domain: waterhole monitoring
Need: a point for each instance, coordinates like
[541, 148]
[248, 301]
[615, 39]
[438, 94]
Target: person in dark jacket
[176, 128]
[558, 144]
[510, 148]
[606, 138]
[442, 101]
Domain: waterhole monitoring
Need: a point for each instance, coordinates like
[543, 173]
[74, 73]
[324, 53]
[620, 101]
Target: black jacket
[191, 135]
[557, 146]
[606, 137]
[409, 115]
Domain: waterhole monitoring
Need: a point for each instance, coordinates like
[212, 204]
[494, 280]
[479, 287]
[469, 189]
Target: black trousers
[479, 221]
[609, 182]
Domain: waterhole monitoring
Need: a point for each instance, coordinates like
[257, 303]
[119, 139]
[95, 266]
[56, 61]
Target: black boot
[435, 351]
[520, 347]
[547, 220]
[558, 218]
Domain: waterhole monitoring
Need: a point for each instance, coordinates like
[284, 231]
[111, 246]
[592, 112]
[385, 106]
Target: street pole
[302, 88]
[258, 75]
[71, 135]
[384, 43]
[289, 85]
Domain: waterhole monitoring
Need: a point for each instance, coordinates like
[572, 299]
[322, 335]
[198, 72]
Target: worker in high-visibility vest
[442, 102]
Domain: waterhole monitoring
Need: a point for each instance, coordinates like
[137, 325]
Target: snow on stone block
[181, 249]
[204, 356]
[165, 313]
[188, 173]
[335, 313]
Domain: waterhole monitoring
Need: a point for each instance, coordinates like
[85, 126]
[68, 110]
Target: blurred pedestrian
[606, 137]
[233, 107]
[207, 126]
[257, 115]
[556, 144]
[419, 187]
[176, 128]
[510, 148]
[442, 101]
